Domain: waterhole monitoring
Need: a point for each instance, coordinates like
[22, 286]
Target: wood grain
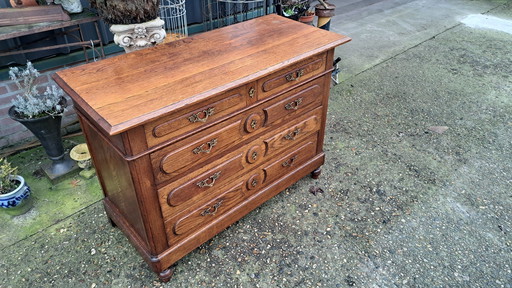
[31, 15]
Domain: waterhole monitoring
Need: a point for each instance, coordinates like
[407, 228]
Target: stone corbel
[134, 37]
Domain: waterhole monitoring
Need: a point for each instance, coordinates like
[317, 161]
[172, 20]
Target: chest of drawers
[190, 136]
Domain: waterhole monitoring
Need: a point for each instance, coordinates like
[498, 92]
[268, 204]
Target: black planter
[47, 130]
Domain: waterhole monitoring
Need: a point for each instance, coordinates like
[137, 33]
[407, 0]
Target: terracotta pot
[23, 3]
[307, 19]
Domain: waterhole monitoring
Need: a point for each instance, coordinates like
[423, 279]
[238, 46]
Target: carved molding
[134, 37]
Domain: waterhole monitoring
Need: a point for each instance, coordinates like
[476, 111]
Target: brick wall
[12, 133]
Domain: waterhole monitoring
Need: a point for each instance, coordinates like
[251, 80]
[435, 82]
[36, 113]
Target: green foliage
[31, 104]
[6, 170]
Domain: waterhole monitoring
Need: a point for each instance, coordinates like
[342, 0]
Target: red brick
[3, 90]
[4, 143]
[12, 87]
[43, 79]
[4, 111]
[5, 101]
[6, 122]
[13, 129]
[22, 136]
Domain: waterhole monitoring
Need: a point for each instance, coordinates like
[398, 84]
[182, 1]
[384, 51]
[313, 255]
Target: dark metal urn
[47, 130]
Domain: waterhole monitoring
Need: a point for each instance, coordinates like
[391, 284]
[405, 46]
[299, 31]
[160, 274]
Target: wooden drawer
[198, 116]
[202, 183]
[297, 101]
[297, 133]
[290, 161]
[191, 219]
[292, 75]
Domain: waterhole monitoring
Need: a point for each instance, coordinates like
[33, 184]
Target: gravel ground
[416, 192]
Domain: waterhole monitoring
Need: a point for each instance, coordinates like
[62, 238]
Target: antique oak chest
[190, 136]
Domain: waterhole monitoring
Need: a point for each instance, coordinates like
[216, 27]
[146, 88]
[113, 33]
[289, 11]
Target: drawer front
[292, 75]
[302, 101]
[174, 159]
[297, 133]
[290, 161]
[186, 222]
[206, 182]
[198, 116]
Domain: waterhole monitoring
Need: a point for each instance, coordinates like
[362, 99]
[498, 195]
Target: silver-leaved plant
[31, 104]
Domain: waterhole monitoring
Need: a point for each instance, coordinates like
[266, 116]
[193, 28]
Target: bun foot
[316, 173]
[112, 222]
[166, 275]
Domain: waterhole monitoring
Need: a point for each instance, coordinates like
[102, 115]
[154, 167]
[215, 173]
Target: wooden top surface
[128, 90]
[9, 32]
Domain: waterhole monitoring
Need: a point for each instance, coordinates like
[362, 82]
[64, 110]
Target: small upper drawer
[291, 75]
[303, 101]
[198, 116]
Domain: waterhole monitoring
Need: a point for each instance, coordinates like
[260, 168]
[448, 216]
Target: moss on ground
[51, 203]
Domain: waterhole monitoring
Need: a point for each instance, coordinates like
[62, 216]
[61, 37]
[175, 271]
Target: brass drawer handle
[251, 92]
[212, 210]
[254, 182]
[294, 105]
[208, 182]
[289, 162]
[201, 149]
[207, 113]
[294, 76]
[254, 156]
[292, 135]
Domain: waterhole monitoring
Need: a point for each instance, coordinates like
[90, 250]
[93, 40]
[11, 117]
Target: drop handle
[197, 116]
[210, 181]
[294, 105]
[294, 76]
[201, 148]
[292, 135]
[212, 210]
[289, 162]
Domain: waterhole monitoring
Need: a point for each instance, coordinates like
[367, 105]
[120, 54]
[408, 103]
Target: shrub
[31, 104]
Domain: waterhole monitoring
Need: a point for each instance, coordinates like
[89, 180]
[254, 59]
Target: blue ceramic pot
[17, 202]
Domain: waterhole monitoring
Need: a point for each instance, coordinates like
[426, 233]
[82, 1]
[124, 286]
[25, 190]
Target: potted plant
[297, 9]
[14, 192]
[135, 23]
[41, 113]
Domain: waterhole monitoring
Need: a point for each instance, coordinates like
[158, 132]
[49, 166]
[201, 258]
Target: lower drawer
[198, 216]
